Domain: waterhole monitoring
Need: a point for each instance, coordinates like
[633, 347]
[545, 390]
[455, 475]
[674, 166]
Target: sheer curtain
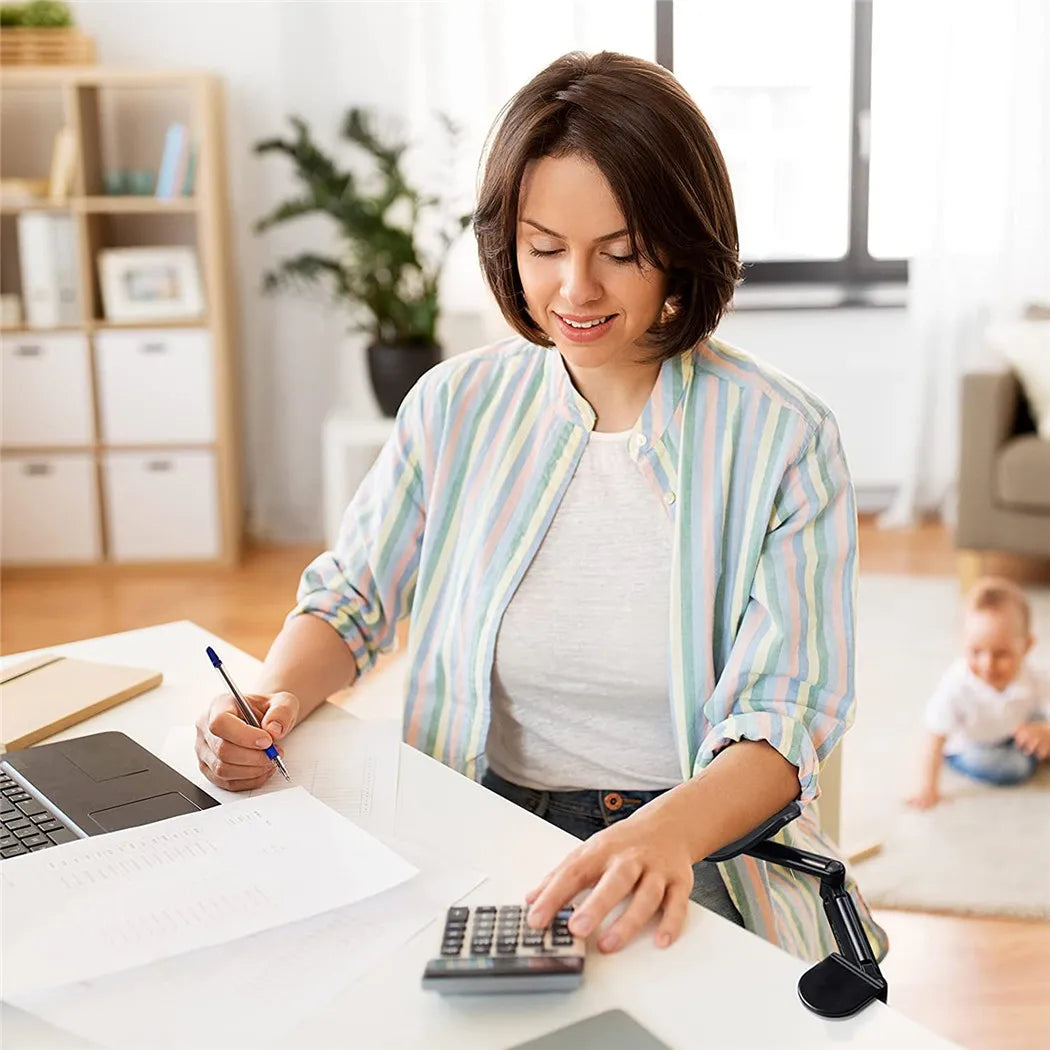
[982, 181]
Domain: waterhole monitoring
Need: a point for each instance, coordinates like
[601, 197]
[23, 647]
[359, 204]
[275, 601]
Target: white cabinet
[161, 506]
[46, 383]
[49, 509]
[155, 386]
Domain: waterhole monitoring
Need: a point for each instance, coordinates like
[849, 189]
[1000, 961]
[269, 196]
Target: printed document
[349, 763]
[105, 904]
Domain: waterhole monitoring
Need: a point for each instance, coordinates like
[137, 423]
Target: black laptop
[54, 793]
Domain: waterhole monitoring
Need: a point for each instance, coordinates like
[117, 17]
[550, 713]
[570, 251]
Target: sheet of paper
[349, 763]
[105, 904]
[231, 986]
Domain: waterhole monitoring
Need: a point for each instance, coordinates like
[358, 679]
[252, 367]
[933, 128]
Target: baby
[990, 714]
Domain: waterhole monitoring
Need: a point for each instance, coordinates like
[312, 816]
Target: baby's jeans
[1003, 763]
[583, 813]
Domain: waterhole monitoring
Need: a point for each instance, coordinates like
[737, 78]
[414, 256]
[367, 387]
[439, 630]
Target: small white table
[718, 986]
[349, 448]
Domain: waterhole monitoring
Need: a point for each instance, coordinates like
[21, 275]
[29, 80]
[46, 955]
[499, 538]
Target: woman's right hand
[231, 753]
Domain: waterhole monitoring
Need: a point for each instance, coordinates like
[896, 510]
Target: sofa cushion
[1026, 346]
[1022, 473]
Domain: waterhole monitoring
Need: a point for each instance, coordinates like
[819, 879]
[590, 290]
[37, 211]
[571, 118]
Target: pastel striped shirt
[763, 568]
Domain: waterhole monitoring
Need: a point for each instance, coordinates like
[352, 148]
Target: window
[800, 97]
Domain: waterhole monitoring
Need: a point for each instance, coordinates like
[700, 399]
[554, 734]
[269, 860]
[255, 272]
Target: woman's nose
[578, 284]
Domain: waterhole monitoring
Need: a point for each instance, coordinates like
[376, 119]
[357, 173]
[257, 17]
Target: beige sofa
[1004, 474]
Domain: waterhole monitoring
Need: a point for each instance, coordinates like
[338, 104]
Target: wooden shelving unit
[202, 221]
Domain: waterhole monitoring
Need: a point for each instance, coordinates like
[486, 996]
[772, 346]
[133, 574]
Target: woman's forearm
[308, 658]
[745, 784]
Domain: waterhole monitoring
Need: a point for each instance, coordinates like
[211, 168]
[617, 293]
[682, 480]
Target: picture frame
[150, 284]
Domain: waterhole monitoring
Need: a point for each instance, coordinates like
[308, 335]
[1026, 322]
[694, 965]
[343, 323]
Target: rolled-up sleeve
[789, 677]
[366, 583]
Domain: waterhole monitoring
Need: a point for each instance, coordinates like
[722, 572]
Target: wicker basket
[45, 47]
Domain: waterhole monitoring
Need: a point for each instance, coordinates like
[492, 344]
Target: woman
[628, 551]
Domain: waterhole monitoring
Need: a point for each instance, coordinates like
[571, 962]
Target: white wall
[316, 60]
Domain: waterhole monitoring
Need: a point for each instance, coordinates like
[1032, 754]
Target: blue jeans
[999, 764]
[582, 813]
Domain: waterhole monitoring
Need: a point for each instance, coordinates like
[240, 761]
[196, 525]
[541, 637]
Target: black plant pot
[395, 369]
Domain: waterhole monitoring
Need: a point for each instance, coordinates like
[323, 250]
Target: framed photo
[144, 284]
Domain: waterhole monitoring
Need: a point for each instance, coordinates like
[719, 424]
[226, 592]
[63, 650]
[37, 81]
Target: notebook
[48, 693]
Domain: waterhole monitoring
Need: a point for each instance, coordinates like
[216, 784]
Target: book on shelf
[177, 163]
[47, 253]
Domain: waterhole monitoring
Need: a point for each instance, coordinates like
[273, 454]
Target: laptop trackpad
[106, 757]
[144, 811]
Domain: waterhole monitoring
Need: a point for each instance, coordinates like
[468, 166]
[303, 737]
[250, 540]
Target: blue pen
[246, 711]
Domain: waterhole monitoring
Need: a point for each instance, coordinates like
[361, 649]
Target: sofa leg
[970, 568]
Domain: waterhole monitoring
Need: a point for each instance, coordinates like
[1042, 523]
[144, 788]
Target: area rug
[984, 851]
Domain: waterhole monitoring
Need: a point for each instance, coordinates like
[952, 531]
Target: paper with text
[313, 961]
[349, 763]
[104, 904]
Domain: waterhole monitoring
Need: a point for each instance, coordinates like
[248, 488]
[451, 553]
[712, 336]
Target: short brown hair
[997, 593]
[639, 126]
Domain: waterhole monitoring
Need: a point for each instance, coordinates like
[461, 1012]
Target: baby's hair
[997, 593]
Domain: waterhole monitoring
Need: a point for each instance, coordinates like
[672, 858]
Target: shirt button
[669, 498]
[639, 441]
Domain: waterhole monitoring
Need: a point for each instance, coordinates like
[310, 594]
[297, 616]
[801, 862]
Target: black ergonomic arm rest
[849, 979]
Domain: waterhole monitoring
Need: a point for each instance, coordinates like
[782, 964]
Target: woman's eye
[557, 251]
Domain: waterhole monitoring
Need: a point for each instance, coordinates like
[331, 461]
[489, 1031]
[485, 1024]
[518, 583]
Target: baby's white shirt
[967, 710]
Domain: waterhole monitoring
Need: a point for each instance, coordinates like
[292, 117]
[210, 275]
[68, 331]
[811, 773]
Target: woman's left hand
[644, 857]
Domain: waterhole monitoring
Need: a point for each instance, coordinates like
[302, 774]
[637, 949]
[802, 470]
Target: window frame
[857, 268]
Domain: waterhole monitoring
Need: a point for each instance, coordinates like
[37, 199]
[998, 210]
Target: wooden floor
[981, 982]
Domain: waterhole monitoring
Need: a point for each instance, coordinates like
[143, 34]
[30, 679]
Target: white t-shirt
[572, 704]
[967, 710]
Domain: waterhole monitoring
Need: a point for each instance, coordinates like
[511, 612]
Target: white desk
[718, 986]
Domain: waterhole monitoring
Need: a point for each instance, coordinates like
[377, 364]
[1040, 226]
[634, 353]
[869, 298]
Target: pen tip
[215, 661]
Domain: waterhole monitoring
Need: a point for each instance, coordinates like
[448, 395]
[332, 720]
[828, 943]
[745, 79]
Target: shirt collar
[671, 384]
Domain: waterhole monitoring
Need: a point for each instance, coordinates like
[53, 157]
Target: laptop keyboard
[26, 824]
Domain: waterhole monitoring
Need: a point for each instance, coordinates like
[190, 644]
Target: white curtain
[982, 179]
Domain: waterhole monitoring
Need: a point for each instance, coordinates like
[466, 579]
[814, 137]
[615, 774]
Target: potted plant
[379, 270]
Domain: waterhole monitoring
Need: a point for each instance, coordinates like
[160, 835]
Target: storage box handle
[36, 469]
[160, 464]
[154, 348]
[28, 350]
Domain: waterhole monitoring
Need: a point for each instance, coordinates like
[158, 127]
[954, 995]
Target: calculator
[489, 949]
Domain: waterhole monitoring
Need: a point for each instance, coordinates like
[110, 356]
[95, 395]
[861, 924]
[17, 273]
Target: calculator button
[561, 940]
[51, 825]
[486, 910]
[506, 947]
[451, 949]
[480, 947]
[25, 831]
[458, 914]
[36, 840]
[566, 913]
[532, 938]
[60, 835]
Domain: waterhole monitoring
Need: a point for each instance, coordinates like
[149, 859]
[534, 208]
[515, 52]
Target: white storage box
[46, 390]
[161, 506]
[49, 509]
[155, 386]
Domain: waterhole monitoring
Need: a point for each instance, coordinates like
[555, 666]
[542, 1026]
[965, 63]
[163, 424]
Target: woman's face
[575, 263]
